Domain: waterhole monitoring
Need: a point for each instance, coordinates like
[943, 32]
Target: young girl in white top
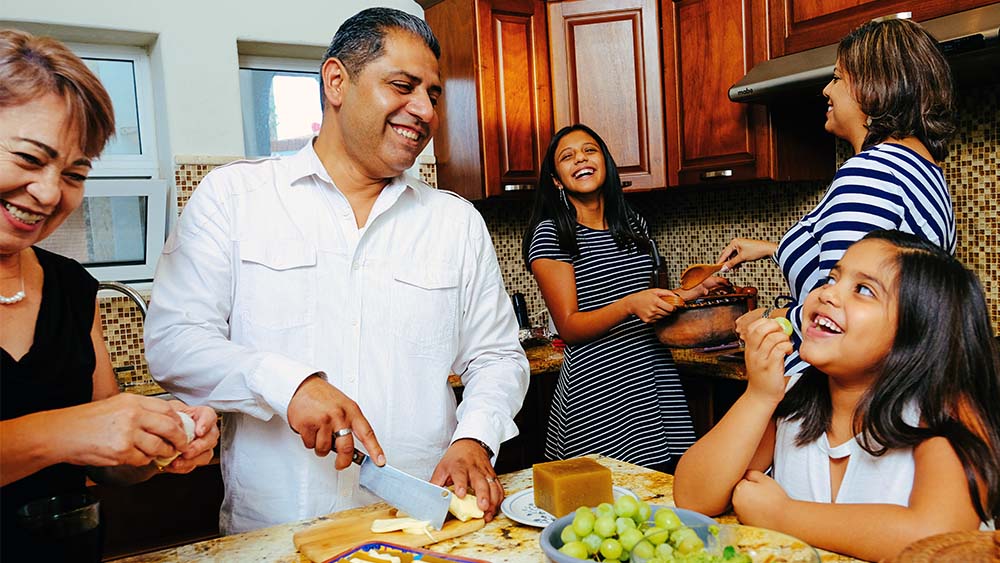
[893, 434]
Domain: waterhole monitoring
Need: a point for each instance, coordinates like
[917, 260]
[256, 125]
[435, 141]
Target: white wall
[193, 52]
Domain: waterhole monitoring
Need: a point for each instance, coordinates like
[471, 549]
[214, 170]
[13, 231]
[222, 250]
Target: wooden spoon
[697, 273]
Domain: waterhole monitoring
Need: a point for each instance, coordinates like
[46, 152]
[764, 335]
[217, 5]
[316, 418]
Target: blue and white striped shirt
[887, 186]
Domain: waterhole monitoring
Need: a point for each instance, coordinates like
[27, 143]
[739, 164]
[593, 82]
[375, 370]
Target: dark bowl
[706, 321]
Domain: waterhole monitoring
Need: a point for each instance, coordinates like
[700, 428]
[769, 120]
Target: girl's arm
[939, 503]
[557, 282]
[744, 438]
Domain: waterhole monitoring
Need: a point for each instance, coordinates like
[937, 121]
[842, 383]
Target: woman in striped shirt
[891, 98]
[618, 392]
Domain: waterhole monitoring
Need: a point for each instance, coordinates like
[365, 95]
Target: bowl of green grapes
[628, 530]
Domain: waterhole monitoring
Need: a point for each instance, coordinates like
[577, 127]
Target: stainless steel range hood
[972, 34]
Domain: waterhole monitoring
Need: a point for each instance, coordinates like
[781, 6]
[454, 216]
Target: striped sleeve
[545, 244]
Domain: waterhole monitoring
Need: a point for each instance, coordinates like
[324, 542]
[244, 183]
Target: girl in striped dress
[618, 392]
[891, 98]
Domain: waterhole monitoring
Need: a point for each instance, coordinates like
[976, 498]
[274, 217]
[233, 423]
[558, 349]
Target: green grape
[626, 506]
[611, 549]
[685, 540]
[575, 549]
[605, 527]
[629, 538]
[667, 519]
[593, 543]
[658, 560]
[605, 509]
[657, 535]
[568, 535]
[583, 521]
[623, 524]
[644, 550]
[665, 551]
[643, 513]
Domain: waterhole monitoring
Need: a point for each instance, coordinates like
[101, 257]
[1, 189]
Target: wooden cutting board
[344, 530]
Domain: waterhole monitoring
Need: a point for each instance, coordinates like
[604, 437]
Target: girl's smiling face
[849, 323]
[579, 164]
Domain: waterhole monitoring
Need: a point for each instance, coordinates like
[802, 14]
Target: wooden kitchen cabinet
[605, 57]
[496, 112]
[798, 25]
[707, 46]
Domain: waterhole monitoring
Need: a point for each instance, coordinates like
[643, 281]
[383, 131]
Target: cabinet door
[496, 116]
[514, 93]
[708, 45]
[605, 74]
[798, 25]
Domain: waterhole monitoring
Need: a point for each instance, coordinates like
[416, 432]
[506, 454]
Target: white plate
[520, 507]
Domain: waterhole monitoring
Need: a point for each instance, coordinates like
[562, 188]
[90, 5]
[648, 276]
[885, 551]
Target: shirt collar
[306, 163]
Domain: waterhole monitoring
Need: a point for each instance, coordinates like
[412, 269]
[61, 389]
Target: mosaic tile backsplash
[692, 225]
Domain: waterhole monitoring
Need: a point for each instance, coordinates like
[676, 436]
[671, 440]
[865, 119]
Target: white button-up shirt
[267, 279]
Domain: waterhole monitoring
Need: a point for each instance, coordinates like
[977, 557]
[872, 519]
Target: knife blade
[417, 498]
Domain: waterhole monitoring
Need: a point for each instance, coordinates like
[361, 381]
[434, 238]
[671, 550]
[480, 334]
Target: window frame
[274, 64]
[145, 165]
[155, 192]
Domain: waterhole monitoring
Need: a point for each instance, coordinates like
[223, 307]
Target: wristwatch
[489, 450]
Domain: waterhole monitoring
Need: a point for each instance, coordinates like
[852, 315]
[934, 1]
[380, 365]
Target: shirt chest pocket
[277, 283]
[424, 303]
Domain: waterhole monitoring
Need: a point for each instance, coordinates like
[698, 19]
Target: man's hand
[466, 466]
[318, 410]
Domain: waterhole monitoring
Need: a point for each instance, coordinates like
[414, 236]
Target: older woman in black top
[63, 418]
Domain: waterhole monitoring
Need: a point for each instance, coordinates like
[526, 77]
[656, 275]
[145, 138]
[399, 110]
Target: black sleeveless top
[57, 372]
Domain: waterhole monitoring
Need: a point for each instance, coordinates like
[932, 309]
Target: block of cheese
[563, 486]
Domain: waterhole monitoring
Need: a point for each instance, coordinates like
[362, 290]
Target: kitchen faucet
[126, 290]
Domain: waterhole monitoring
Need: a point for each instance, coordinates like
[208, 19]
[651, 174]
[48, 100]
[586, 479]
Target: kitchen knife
[416, 497]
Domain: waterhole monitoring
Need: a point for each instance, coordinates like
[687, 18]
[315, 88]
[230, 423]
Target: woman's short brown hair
[31, 67]
[902, 81]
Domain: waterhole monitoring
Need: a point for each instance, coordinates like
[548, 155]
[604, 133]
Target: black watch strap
[489, 450]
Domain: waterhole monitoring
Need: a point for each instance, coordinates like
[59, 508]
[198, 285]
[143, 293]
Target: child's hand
[766, 348]
[652, 305]
[758, 499]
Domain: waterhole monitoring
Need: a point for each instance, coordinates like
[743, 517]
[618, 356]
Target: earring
[868, 122]
[562, 196]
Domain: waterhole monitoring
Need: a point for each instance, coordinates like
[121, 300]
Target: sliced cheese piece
[384, 525]
[464, 508]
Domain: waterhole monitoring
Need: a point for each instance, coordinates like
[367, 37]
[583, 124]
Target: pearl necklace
[4, 300]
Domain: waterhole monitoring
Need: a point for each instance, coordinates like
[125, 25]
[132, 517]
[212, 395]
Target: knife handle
[358, 457]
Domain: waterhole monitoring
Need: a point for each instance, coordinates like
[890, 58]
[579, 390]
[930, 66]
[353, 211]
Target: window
[124, 72]
[281, 104]
[117, 233]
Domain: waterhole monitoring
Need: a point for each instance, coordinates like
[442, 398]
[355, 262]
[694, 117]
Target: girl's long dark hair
[622, 220]
[944, 359]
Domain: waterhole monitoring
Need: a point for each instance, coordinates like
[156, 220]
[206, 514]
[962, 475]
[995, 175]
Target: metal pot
[707, 321]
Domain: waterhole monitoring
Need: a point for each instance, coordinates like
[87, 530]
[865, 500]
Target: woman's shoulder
[67, 272]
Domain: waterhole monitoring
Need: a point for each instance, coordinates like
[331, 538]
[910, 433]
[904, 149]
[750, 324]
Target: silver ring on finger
[491, 480]
[341, 433]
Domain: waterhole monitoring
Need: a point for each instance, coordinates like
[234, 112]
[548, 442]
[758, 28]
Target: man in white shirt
[326, 292]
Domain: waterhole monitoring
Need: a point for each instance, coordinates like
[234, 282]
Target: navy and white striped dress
[618, 395]
[887, 186]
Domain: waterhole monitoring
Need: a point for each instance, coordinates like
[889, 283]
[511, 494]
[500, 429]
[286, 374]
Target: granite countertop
[501, 541]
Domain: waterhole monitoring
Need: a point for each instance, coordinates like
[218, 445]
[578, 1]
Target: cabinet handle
[712, 174]
[517, 187]
[626, 183]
